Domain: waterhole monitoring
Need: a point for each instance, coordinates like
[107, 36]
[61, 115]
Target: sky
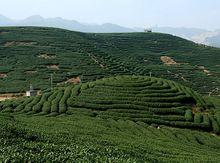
[130, 13]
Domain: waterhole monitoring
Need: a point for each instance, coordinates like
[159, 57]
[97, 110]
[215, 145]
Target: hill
[58, 22]
[197, 35]
[136, 98]
[208, 38]
[116, 119]
[32, 54]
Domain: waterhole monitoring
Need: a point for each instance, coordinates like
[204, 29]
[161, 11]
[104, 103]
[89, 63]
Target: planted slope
[136, 98]
[32, 54]
[78, 138]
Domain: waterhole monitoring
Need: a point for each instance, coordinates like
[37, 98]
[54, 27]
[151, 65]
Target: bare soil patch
[47, 56]
[54, 67]
[3, 32]
[8, 96]
[16, 43]
[207, 72]
[31, 72]
[168, 61]
[3, 75]
[76, 80]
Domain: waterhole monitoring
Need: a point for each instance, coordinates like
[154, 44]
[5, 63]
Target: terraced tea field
[32, 54]
[82, 138]
[137, 98]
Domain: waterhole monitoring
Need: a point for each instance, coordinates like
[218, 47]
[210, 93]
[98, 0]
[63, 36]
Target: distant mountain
[4, 21]
[194, 34]
[58, 22]
[211, 38]
[187, 33]
[214, 41]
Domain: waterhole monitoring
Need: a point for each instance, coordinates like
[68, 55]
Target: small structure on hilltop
[148, 30]
[31, 92]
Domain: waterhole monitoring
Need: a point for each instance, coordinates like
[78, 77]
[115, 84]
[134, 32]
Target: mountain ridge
[197, 35]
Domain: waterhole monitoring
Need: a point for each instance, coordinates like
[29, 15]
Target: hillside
[116, 119]
[136, 98]
[32, 54]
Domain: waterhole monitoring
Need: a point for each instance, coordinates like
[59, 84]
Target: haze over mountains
[202, 36]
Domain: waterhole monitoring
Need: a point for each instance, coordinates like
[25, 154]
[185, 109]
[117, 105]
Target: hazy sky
[130, 13]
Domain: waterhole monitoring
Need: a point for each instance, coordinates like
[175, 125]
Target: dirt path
[96, 61]
[8, 96]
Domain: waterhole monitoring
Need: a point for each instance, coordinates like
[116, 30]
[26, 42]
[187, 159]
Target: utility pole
[51, 82]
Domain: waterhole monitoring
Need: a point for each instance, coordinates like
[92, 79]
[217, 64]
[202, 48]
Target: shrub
[215, 125]
[37, 108]
[206, 120]
[198, 118]
[218, 117]
[62, 103]
[7, 110]
[29, 106]
[46, 107]
[74, 93]
[189, 115]
[55, 102]
[22, 106]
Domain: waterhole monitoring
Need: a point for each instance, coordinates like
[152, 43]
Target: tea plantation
[137, 97]
[97, 135]
[32, 54]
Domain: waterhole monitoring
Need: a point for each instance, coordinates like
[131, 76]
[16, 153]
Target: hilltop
[32, 54]
[197, 35]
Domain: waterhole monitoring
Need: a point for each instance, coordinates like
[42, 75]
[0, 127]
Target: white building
[31, 92]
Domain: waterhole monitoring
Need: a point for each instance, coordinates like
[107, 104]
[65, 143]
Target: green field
[82, 138]
[119, 119]
[118, 112]
[136, 98]
[31, 54]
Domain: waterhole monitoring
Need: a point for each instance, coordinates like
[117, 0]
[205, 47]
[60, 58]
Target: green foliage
[198, 118]
[215, 125]
[75, 91]
[55, 102]
[62, 103]
[38, 107]
[46, 107]
[30, 105]
[136, 98]
[33, 50]
[189, 115]
[206, 120]
[76, 138]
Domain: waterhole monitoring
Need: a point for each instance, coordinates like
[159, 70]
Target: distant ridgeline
[137, 98]
[32, 54]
